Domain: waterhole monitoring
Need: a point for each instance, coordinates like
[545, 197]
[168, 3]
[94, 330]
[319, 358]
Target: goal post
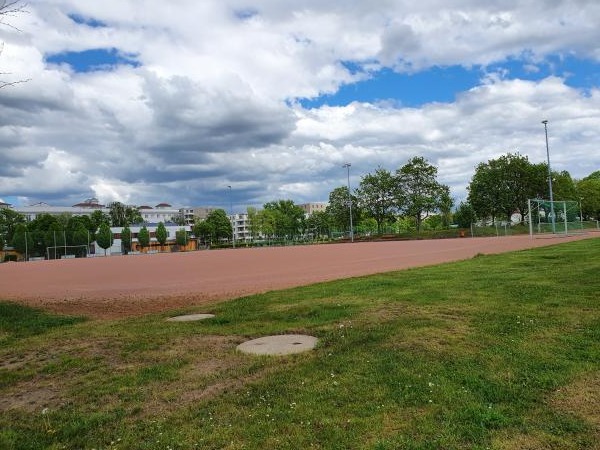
[559, 217]
[67, 251]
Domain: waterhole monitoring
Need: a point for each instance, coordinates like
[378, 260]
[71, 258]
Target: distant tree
[419, 193]
[220, 225]
[121, 215]
[54, 237]
[253, 221]
[80, 236]
[338, 208]
[377, 196]
[203, 230]
[563, 186]
[464, 215]
[318, 223]
[104, 237]
[9, 219]
[22, 240]
[181, 237]
[503, 186]
[179, 219]
[97, 218]
[588, 194]
[144, 237]
[126, 239]
[161, 234]
[287, 218]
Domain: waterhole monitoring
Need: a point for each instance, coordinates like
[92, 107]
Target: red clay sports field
[121, 286]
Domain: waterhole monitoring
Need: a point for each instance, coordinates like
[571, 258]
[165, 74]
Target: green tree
[319, 223]
[203, 230]
[339, 210]
[253, 222]
[287, 218]
[98, 217]
[377, 197]
[144, 237]
[503, 186]
[121, 215]
[126, 239]
[181, 237]
[22, 240]
[54, 240]
[161, 234]
[563, 186]
[104, 237]
[80, 237]
[419, 192]
[220, 225]
[464, 215]
[588, 194]
[9, 219]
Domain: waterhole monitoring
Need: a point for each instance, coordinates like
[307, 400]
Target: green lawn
[497, 352]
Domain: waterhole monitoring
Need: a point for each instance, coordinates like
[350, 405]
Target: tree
[253, 221]
[22, 240]
[126, 239]
[319, 223]
[80, 237]
[377, 196]
[54, 237]
[181, 237]
[287, 218]
[203, 230]
[419, 193]
[161, 234]
[588, 194]
[563, 186]
[338, 209]
[144, 237]
[220, 225]
[503, 186]
[104, 237]
[121, 215]
[464, 215]
[9, 220]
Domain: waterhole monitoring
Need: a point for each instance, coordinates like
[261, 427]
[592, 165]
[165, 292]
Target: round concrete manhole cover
[284, 344]
[190, 317]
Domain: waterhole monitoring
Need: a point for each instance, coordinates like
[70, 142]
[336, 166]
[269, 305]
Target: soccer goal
[67, 251]
[562, 217]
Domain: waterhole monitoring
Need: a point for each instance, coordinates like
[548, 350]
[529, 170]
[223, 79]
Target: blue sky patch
[443, 84]
[93, 60]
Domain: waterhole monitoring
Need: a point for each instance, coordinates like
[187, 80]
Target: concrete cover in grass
[284, 344]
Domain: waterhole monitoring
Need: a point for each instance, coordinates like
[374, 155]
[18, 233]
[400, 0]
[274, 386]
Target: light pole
[232, 218]
[545, 122]
[347, 166]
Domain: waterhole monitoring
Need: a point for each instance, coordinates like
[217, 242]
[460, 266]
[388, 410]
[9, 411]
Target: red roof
[163, 205]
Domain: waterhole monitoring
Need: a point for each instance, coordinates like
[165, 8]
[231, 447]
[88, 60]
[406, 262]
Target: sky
[145, 102]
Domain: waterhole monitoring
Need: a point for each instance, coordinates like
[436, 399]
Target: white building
[85, 208]
[241, 227]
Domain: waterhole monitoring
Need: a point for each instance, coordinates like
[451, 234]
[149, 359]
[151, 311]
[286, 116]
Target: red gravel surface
[133, 285]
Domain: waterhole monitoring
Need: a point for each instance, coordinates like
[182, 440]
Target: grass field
[496, 352]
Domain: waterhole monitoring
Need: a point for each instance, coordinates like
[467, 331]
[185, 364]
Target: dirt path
[121, 286]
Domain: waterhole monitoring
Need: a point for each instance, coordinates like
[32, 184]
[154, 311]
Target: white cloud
[213, 101]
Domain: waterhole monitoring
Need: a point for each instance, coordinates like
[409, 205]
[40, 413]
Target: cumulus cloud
[209, 96]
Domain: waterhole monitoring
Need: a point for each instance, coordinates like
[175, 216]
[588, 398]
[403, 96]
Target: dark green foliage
[144, 237]
[104, 238]
[126, 239]
[161, 233]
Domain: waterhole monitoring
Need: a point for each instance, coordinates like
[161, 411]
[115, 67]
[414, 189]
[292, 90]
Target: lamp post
[232, 218]
[545, 122]
[347, 166]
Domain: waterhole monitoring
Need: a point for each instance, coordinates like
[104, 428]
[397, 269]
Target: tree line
[410, 198]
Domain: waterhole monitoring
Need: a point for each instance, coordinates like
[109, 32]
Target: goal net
[562, 217]
[67, 251]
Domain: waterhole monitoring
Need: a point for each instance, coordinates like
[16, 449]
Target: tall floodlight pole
[347, 166]
[232, 218]
[545, 122]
